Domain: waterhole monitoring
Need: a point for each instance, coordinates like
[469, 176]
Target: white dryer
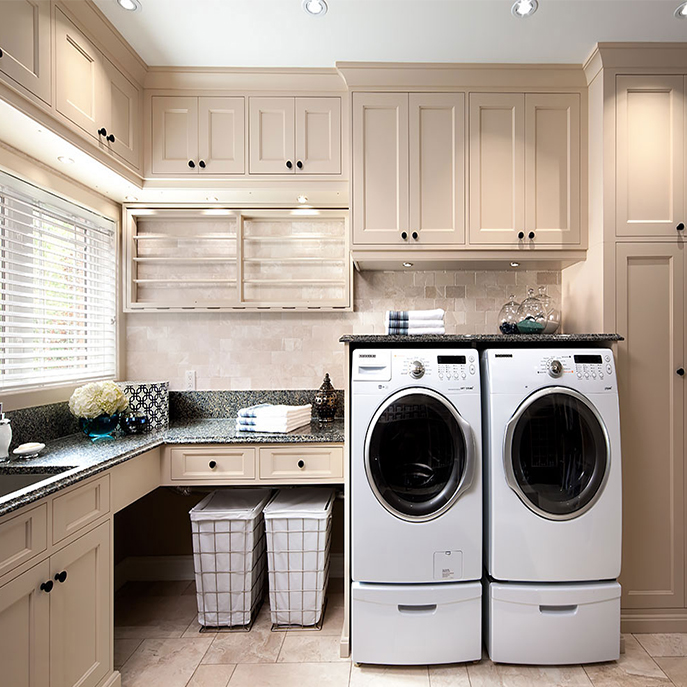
[416, 506]
[553, 505]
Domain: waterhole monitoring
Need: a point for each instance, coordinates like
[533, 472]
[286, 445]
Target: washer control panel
[456, 366]
[593, 366]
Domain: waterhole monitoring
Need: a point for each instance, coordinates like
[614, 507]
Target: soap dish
[30, 450]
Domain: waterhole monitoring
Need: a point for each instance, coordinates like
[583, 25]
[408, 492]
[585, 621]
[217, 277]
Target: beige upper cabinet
[380, 168]
[25, 40]
[650, 155]
[221, 148]
[295, 135]
[650, 315]
[121, 116]
[175, 134]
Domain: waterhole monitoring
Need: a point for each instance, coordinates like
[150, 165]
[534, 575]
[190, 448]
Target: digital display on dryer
[588, 359]
[451, 359]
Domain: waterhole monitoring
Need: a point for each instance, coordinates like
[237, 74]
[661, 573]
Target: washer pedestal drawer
[553, 624]
[419, 624]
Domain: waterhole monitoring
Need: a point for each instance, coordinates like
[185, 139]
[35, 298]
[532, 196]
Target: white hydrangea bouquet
[98, 405]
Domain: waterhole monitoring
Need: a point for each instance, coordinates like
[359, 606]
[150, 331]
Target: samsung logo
[367, 355]
[503, 355]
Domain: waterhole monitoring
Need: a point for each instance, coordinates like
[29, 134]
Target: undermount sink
[15, 482]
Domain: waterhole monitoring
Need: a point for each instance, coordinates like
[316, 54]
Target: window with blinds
[58, 275]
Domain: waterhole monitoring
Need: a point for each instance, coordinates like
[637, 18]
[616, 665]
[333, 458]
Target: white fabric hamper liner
[229, 555]
[298, 525]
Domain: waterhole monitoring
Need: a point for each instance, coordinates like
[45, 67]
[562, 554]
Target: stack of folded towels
[415, 322]
[266, 417]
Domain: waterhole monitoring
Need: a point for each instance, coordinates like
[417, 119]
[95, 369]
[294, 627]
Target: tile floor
[157, 644]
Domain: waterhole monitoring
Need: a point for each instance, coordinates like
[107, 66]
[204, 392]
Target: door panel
[25, 40]
[380, 168]
[271, 137]
[650, 307]
[318, 135]
[221, 135]
[122, 104]
[175, 135]
[650, 190]
[437, 167]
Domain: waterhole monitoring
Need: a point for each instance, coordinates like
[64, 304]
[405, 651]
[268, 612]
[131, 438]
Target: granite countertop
[75, 458]
[479, 339]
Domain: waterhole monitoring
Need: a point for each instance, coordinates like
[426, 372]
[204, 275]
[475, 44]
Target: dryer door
[419, 454]
[557, 453]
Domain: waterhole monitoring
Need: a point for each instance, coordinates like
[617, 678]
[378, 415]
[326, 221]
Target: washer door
[557, 453]
[419, 454]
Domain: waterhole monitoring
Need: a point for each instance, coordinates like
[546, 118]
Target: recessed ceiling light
[524, 8]
[681, 11]
[130, 199]
[66, 160]
[129, 5]
[302, 199]
[317, 8]
[515, 264]
[212, 199]
[407, 264]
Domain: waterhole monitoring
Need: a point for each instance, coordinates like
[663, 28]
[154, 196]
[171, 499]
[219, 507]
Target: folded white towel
[272, 427]
[416, 324]
[436, 314]
[413, 331]
[269, 410]
[256, 421]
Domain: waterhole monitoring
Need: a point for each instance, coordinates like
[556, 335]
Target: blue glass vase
[101, 427]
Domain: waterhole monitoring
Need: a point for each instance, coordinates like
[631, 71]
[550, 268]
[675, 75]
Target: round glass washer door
[557, 453]
[419, 454]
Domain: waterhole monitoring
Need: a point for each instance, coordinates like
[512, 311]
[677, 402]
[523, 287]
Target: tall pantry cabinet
[634, 283]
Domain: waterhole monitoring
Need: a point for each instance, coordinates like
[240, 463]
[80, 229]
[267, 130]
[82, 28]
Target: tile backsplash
[282, 350]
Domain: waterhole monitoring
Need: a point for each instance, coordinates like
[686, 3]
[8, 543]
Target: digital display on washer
[588, 359]
[451, 359]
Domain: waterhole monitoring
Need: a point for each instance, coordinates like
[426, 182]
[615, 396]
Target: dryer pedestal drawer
[554, 624]
[398, 624]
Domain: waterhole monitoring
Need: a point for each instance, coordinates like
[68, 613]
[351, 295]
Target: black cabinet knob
[521, 235]
[202, 164]
[299, 164]
[111, 138]
[61, 577]
[681, 371]
[212, 464]
[47, 586]
[414, 235]
[404, 235]
[301, 464]
[680, 227]
[1, 53]
[102, 131]
[191, 164]
[530, 235]
[289, 164]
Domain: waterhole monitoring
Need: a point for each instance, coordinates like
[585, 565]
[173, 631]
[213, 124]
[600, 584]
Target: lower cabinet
[55, 618]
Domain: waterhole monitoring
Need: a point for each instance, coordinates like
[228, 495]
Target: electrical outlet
[190, 380]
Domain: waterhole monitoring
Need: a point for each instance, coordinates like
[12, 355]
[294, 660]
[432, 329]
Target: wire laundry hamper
[298, 523]
[229, 556]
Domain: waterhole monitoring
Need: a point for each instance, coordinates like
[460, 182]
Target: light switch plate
[190, 380]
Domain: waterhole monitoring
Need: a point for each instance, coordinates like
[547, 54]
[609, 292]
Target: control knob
[555, 368]
[417, 369]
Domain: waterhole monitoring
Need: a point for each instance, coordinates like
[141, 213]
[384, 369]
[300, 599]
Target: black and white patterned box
[150, 399]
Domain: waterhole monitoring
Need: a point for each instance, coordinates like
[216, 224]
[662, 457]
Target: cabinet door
[497, 168]
[80, 78]
[650, 315]
[24, 629]
[650, 184]
[122, 115]
[80, 618]
[437, 167]
[318, 135]
[552, 167]
[271, 138]
[221, 135]
[380, 168]
[175, 135]
[25, 43]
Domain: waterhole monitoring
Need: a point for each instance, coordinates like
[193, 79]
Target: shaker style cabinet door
[221, 135]
[272, 136]
[25, 629]
[437, 168]
[650, 155]
[497, 168]
[25, 41]
[175, 135]
[650, 315]
[380, 169]
[318, 136]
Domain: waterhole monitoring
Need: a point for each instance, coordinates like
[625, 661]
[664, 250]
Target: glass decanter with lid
[531, 315]
[508, 317]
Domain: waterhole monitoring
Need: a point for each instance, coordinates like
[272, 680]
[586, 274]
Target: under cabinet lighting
[212, 199]
[515, 264]
[316, 8]
[407, 264]
[130, 199]
[681, 11]
[524, 8]
[65, 160]
[129, 5]
[302, 199]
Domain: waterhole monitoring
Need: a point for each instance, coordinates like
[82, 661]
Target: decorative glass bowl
[508, 317]
[101, 427]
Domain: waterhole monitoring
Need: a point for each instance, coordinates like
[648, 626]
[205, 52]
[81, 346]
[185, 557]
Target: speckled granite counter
[481, 340]
[75, 458]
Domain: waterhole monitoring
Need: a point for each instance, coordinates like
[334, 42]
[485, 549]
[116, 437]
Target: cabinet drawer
[79, 507]
[213, 464]
[323, 464]
[23, 537]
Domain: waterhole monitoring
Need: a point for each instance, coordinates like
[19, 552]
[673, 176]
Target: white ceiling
[278, 33]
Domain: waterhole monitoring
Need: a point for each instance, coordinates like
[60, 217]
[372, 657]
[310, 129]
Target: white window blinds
[58, 274]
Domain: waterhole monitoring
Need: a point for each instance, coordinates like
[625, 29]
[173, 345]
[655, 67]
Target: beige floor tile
[310, 648]
[488, 674]
[332, 625]
[455, 675]
[153, 617]
[211, 676]
[291, 675]
[635, 668]
[260, 645]
[164, 662]
[193, 630]
[674, 644]
[675, 667]
[123, 649]
[389, 676]
[169, 629]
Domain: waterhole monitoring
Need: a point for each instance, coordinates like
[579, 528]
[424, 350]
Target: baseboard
[642, 621]
[170, 568]
[115, 680]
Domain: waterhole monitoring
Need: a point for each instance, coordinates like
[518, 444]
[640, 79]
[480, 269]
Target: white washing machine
[416, 506]
[552, 506]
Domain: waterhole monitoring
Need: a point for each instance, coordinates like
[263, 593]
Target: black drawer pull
[414, 235]
[102, 132]
[289, 164]
[111, 138]
[61, 577]
[191, 164]
[301, 464]
[47, 586]
[521, 235]
[404, 235]
[202, 164]
[681, 371]
[299, 164]
[212, 464]
[680, 227]
[530, 235]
